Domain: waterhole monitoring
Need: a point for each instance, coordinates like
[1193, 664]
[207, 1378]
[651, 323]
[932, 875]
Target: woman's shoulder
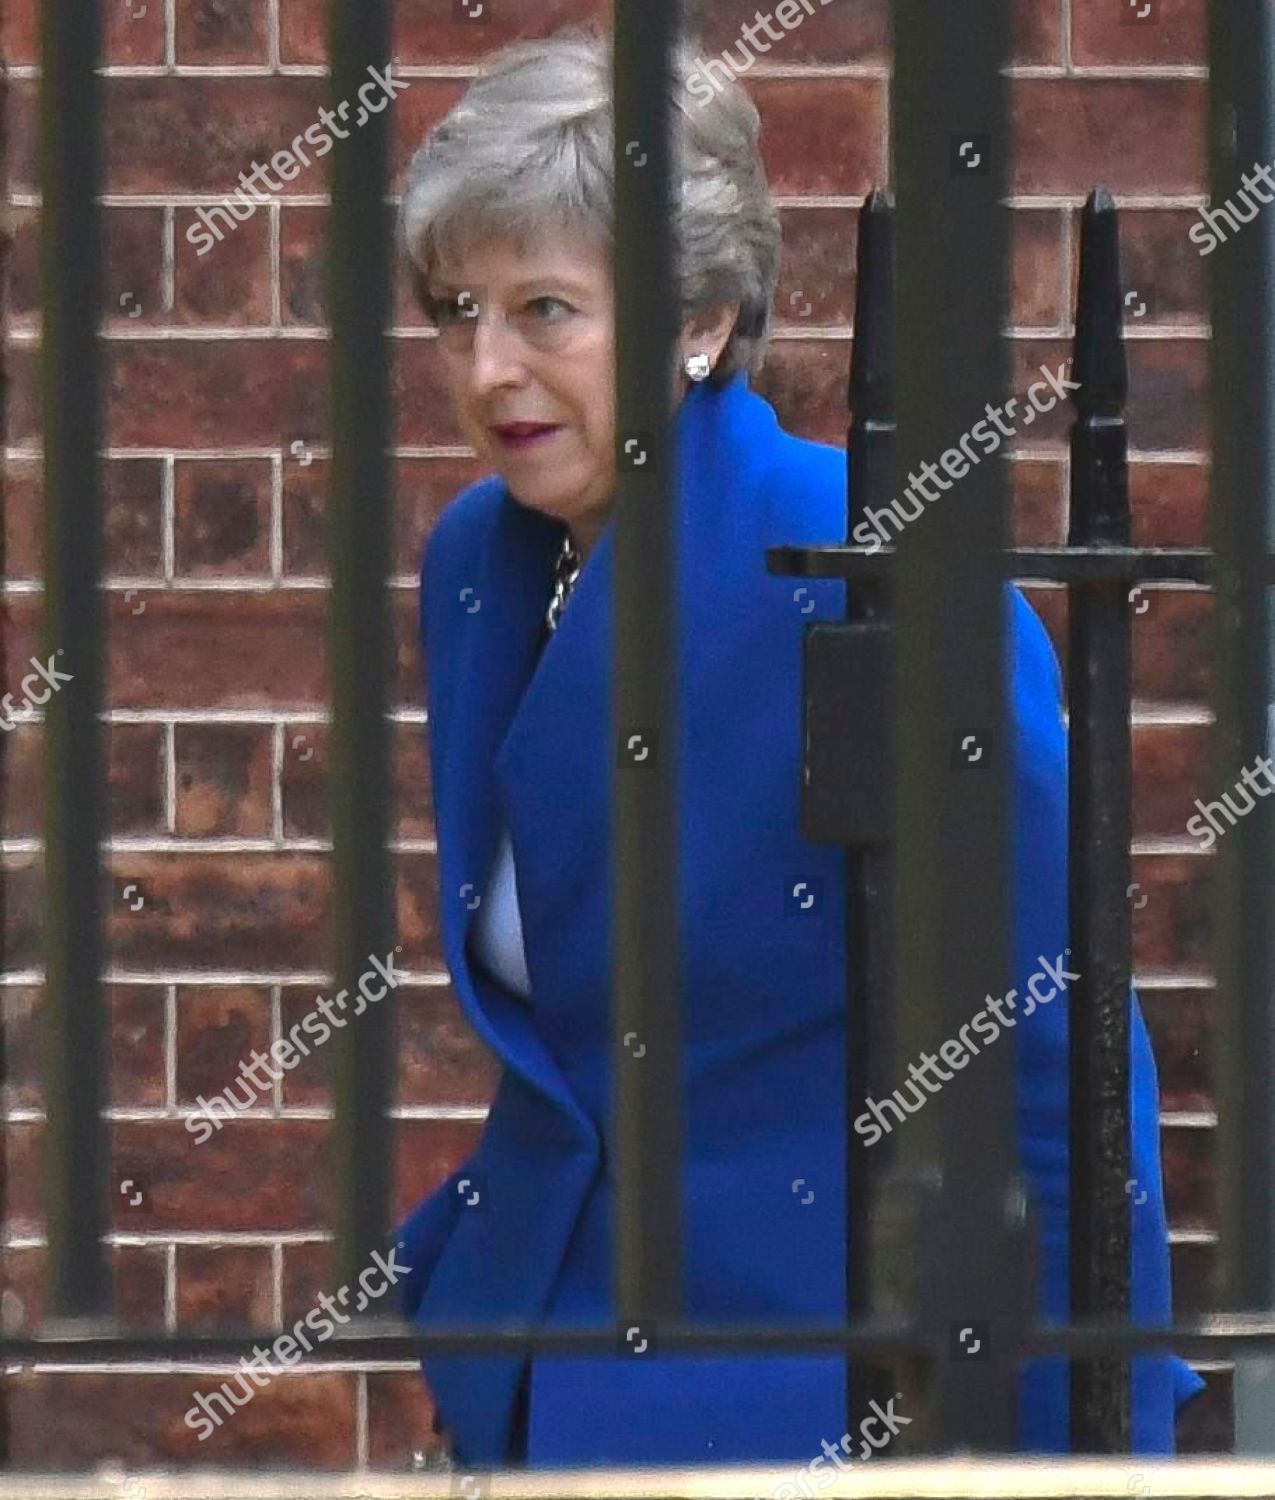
[807, 486]
[459, 530]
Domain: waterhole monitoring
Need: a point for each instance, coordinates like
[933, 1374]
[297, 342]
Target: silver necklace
[565, 572]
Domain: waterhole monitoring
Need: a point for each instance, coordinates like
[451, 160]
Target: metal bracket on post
[848, 733]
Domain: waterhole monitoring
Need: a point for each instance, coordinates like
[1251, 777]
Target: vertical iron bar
[359, 253]
[869, 868]
[1100, 777]
[74, 634]
[951, 846]
[6, 246]
[647, 970]
[1242, 137]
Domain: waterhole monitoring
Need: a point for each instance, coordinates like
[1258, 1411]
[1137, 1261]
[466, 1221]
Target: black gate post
[76, 1150]
[1100, 783]
[951, 842]
[645, 961]
[359, 512]
[1242, 136]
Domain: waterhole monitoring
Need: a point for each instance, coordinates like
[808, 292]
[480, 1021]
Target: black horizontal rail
[1209, 1337]
[1057, 564]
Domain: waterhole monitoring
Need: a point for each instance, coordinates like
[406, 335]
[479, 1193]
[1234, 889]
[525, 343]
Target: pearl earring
[698, 366]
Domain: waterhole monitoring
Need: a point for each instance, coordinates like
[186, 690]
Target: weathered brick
[1037, 246]
[224, 1287]
[400, 1414]
[1038, 502]
[838, 34]
[132, 1045]
[253, 1174]
[1189, 1176]
[1037, 30]
[817, 271]
[138, 1279]
[218, 1027]
[426, 1152]
[432, 31]
[222, 518]
[1171, 768]
[1161, 264]
[1170, 930]
[1064, 129]
[1182, 1024]
[223, 779]
[221, 31]
[821, 135]
[132, 263]
[306, 805]
[131, 497]
[135, 779]
[134, 32]
[308, 1270]
[1152, 31]
[251, 911]
[226, 283]
[805, 381]
[1171, 652]
[219, 650]
[80, 1420]
[1170, 504]
[423, 488]
[303, 272]
[441, 1061]
[1193, 1265]
[23, 908]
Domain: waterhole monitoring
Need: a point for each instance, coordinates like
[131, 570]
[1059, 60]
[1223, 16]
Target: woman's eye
[548, 309]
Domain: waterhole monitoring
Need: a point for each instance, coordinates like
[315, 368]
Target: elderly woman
[506, 222]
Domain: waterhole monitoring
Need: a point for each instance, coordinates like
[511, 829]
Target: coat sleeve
[1160, 1383]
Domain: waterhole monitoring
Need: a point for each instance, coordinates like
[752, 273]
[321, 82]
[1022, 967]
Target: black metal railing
[911, 829]
[850, 673]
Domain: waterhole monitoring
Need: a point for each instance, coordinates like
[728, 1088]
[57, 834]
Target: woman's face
[527, 348]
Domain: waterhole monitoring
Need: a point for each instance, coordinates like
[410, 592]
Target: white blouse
[497, 938]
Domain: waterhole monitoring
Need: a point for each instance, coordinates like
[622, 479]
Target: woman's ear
[709, 330]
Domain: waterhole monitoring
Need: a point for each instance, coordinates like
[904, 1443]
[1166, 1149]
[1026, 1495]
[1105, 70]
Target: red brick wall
[218, 688]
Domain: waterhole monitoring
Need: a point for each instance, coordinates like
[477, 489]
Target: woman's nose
[497, 355]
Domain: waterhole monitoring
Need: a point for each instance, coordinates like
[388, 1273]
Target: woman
[506, 221]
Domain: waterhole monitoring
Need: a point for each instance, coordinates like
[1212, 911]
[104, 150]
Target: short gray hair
[530, 144]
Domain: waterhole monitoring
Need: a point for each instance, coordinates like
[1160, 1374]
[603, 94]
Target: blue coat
[763, 976]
